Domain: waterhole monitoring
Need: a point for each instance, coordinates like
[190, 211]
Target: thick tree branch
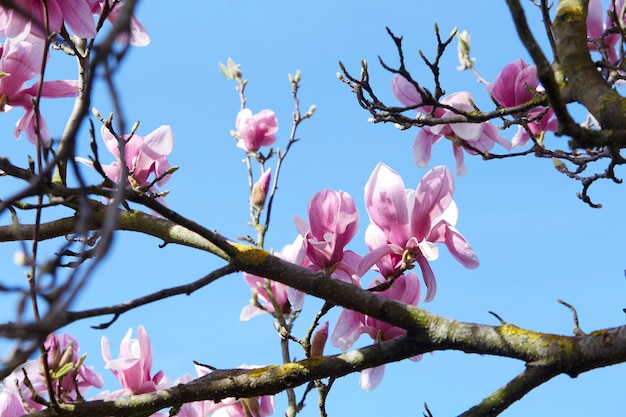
[568, 354]
[586, 84]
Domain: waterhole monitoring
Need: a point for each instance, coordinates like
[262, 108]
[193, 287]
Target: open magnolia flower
[133, 365]
[481, 136]
[145, 157]
[254, 131]
[406, 224]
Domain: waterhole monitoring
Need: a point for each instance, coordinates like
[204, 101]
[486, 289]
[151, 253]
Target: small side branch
[521, 385]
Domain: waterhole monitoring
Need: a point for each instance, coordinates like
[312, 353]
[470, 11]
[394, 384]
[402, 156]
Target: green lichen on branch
[250, 255]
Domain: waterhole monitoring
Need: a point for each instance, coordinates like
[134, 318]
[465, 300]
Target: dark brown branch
[496, 403]
[117, 310]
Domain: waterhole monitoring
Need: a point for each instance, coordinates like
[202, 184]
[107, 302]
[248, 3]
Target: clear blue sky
[536, 241]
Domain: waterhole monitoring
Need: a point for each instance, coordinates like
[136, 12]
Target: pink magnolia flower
[406, 224]
[481, 136]
[294, 253]
[143, 156]
[334, 222]
[68, 371]
[76, 14]
[517, 84]
[138, 35]
[20, 62]
[133, 365]
[256, 130]
[351, 325]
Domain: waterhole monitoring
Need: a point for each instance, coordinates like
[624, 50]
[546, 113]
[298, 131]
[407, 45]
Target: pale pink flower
[333, 223]
[481, 136]
[256, 130]
[20, 62]
[133, 366]
[406, 224]
[351, 325]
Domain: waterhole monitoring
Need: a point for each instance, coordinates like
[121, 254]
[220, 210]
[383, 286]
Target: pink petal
[460, 168]
[432, 198]
[386, 204]
[404, 91]
[159, 142]
[422, 147]
[77, 15]
[429, 279]
[58, 89]
[371, 378]
[296, 298]
[460, 249]
[145, 348]
[347, 330]
[250, 311]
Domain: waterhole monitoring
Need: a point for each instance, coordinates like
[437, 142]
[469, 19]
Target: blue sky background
[536, 241]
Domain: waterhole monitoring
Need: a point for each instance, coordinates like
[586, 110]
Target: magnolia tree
[380, 293]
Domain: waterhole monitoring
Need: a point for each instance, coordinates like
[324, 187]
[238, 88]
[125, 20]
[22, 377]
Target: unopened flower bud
[319, 340]
[260, 189]
[464, 51]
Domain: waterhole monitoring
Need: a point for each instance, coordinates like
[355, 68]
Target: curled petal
[460, 169]
[27, 124]
[460, 249]
[429, 279]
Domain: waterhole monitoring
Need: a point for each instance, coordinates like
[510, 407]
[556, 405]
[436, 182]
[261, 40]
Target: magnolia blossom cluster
[71, 379]
[517, 84]
[23, 51]
[404, 227]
